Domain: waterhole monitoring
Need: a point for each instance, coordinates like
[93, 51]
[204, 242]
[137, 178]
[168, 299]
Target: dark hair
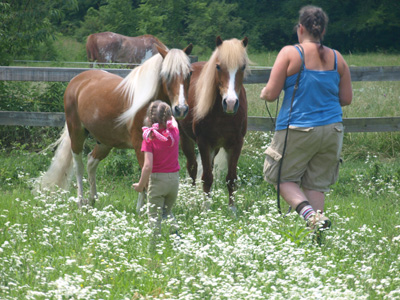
[158, 112]
[315, 20]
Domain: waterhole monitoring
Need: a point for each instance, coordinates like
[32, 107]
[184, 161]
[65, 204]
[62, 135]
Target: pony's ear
[245, 41]
[188, 49]
[162, 51]
[218, 41]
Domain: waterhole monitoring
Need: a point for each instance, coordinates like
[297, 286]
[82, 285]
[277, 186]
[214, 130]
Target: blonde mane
[175, 63]
[142, 83]
[231, 54]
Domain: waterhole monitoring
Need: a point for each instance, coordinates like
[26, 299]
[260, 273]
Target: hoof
[233, 209]
[206, 205]
[85, 202]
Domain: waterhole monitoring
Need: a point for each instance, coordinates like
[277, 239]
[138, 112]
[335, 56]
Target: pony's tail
[61, 168]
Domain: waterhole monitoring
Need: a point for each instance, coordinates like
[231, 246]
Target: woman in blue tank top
[309, 125]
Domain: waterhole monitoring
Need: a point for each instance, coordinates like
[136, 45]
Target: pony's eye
[218, 67]
[243, 68]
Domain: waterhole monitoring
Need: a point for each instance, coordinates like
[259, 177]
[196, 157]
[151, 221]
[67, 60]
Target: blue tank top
[316, 101]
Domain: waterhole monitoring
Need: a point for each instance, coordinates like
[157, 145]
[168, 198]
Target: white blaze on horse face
[181, 99]
[231, 93]
[230, 96]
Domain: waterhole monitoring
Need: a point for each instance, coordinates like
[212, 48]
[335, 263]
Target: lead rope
[278, 191]
[276, 111]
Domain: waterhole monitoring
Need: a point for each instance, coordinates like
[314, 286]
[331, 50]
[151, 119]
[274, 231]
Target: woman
[312, 120]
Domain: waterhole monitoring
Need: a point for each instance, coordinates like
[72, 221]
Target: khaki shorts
[162, 193]
[311, 159]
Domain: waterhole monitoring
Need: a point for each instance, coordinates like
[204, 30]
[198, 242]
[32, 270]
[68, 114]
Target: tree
[117, 16]
[26, 25]
[165, 19]
[209, 19]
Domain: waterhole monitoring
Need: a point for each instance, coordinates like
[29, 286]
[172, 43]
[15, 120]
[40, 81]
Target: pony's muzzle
[180, 111]
[230, 106]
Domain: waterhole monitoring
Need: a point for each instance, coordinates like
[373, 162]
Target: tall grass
[50, 249]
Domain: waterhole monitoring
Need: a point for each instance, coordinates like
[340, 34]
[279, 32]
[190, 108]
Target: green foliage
[208, 19]
[116, 16]
[32, 96]
[121, 163]
[70, 50]
[35, 97]
[27, 28]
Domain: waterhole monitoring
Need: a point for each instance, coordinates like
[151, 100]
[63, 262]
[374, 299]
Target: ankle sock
[305, 210]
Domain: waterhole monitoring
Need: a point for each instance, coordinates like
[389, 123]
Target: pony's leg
[207, 157]
[99, 152]
[188, 147]
[78, 135]
[79, 169]
[231, 177]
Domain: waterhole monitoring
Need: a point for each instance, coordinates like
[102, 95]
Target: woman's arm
[345, 89]
[277, 77]
[146, 172]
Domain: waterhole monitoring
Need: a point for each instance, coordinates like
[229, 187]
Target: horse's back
[91, 101]
[114, 47]
[139, 49]
[103, 46]
[91, 80]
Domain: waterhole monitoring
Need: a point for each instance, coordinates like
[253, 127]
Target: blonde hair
[232, 54]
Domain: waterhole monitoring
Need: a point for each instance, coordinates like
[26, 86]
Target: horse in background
[109, 47]
[217, 115]
[112, 110]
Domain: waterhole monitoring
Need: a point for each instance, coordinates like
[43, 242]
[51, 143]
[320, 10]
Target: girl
[161, 166]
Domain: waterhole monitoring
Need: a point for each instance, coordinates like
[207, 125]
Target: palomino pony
[113, 47]
[112, 110]
[217, 115]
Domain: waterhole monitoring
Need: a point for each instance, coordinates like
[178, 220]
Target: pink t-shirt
[165, 154]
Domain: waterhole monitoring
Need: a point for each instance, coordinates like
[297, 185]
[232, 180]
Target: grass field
[50, 249]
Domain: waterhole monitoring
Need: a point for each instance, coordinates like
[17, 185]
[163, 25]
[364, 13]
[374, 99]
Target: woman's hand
[263, 95]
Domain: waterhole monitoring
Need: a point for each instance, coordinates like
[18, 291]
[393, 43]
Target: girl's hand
[137, 187]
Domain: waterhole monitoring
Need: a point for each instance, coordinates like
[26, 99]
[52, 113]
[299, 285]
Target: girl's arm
[146, 172]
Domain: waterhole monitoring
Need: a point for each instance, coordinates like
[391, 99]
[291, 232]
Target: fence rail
[19, 118]
[258, 75]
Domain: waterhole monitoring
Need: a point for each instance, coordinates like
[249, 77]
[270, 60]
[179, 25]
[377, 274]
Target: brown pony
[112, 110]
[107, 47]
[217, 115]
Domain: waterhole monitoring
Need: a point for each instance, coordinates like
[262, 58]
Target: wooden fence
[258, 75]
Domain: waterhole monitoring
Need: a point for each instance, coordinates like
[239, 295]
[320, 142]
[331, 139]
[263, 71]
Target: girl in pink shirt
[161, 166]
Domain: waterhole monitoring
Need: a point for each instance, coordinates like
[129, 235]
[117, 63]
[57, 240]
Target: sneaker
[318, 222]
